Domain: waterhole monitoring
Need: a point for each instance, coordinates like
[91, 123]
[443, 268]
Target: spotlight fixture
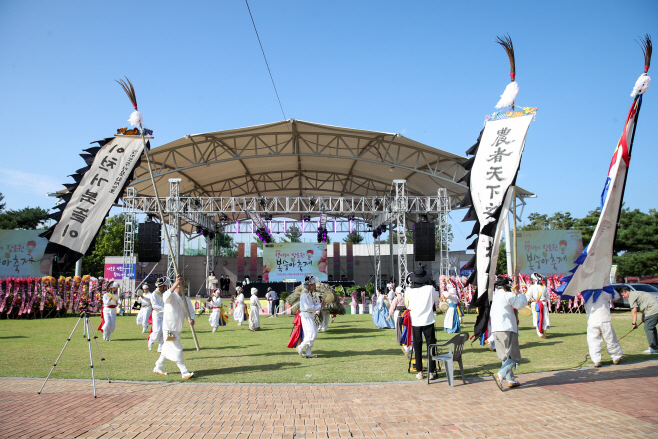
[264, 235]
[312, 201]
[322, 235]
[267, 217]
[377, 202]
[262, 202]
[306, 218]
[223, 217]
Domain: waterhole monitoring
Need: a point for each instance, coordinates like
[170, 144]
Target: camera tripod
[87, 330]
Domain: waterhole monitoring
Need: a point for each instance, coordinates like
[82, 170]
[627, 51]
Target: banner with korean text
[294, 260]
[89, 200]
[491, 182]
[547, 251]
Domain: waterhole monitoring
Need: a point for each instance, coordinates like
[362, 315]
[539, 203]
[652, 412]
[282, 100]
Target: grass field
[352, 350]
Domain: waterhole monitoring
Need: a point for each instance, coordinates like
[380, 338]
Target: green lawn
[352, 350]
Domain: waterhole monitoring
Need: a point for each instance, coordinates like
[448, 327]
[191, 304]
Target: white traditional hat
[113, 284]
[254, 291]
[398, 290]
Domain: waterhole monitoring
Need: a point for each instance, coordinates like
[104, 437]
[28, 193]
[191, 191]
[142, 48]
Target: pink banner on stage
[240, 261]
[253, 264]
[349, 258]
[336, 260]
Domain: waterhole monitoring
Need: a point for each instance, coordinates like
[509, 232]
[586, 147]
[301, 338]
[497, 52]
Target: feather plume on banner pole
[512, 89]
[644, 81]
[137, 119]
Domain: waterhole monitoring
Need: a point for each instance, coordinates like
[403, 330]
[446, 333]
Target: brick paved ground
[573, 404]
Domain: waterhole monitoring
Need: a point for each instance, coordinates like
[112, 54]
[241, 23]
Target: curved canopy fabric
[297, 158]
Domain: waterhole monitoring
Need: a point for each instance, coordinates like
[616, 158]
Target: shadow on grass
[12, 336]
[244, 369]
[350, 331]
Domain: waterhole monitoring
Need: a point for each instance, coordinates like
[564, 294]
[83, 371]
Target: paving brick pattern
[575, 404]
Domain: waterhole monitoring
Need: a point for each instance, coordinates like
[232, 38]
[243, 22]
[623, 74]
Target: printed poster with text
[294, 260]
[548, 251]
[22, 254]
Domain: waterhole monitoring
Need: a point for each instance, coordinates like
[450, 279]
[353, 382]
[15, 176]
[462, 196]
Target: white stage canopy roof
[297, 158]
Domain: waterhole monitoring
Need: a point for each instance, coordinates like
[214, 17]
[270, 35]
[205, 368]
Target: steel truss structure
[372, 211]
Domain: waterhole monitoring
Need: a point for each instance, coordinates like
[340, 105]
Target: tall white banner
[98, 189]
[493, 173]
[591, 275]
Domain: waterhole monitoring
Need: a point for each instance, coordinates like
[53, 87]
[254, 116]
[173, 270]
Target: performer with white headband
[145, 311]
[308, 308]
[391, 292]
[537, 295]
[109, 313]
[254, 311]
[215, 304]
[238, 312]
[176, 308]
[157, 303]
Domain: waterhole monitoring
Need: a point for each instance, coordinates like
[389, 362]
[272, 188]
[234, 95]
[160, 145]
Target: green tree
[28, 218]
[437, 237]
[109, 242]
[354, 237]
[501, 264]
[293, 234]
[2, 205]
[224, 245]
[559, 221]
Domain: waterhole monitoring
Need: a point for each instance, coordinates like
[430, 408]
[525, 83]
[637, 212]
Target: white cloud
[27, 183]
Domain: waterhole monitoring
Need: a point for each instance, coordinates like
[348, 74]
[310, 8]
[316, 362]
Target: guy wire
[265, 58]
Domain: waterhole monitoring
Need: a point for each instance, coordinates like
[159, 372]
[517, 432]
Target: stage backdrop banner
[22, 254]
[548, 251]
[294, 260]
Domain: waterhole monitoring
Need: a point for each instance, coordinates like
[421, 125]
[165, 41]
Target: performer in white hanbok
[254, 311]
[391, 292]
[451, 322]
[238, 311]
[157, 314]
[537, 296]
[109, 313]
[212, 283]
[176, 309]
[505, 329]
[308, 307]
[215, 304]
[599, 326]
[145, 311]
[272, 301]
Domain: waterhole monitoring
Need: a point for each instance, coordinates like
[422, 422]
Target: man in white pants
[599, 326]
[176, 309]
[308, 308]
[110, 301]
[157, 314]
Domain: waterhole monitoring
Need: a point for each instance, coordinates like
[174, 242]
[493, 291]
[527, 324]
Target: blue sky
[428, 70]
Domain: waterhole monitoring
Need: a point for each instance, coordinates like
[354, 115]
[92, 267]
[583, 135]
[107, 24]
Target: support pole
[390, 252]
[157, 203]
[78, 267]
[514, 234]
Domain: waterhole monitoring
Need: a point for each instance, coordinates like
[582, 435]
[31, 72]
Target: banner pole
[514, 234]
[164, 224]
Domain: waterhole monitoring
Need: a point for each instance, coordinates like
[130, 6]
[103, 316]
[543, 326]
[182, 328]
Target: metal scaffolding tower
[444, 231]
[129, 261]
[174, 209]
[399, 210]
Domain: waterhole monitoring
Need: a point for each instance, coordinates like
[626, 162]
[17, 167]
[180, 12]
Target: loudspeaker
[149, 241]
[424, 239]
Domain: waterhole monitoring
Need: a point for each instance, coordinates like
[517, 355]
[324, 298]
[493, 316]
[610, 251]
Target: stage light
[223, 217]
[262, 202]
[198, 229]
[312, 201]
[307, 218]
